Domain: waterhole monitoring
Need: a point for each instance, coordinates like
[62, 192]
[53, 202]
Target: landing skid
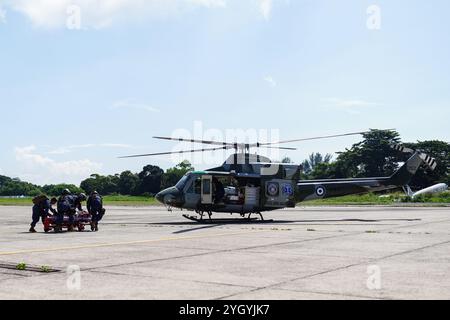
[231, 220]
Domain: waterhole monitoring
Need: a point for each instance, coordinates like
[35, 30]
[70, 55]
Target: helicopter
[250, 184]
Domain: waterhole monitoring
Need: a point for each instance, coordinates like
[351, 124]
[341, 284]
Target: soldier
[219, 190]
[95, 208]
[64, 208]
[77, 201]
[41, 210]
[76, 204]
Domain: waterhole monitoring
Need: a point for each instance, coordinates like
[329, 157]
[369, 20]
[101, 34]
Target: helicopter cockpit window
[196, 186]
[182, 183]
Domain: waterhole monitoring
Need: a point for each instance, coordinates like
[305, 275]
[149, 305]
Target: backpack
[64, 204]
[39, 199]
[97, 201]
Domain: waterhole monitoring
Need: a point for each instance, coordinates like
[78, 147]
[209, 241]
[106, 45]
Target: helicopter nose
[160, 197]
[170, 197]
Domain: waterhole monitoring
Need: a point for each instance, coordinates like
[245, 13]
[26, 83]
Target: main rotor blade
[174, 152]
[281, 148]
[217, 143]
[231, 145]
[313, 138]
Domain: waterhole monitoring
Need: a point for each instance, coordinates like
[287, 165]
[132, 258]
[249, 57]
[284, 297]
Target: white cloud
[97, 14]
[130, 104]
[209, 3]
[69, 149]
[103, 13]
[270, 81]
[352, 106]
[42, 170]
[265, 7]
[2, 15]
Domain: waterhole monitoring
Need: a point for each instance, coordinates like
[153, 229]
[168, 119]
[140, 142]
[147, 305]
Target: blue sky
[73, 100]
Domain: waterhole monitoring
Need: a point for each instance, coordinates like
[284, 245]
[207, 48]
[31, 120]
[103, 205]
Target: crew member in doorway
[219, 190]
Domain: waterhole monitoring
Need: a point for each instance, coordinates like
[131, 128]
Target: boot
[92, 226]
[32, 230]
[96, 226]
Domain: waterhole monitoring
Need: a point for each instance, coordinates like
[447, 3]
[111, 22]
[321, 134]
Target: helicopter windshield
[182, 183]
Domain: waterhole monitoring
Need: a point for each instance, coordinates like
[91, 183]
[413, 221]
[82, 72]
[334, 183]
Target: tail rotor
[429, 162]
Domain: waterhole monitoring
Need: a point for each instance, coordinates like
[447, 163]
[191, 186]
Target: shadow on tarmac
[245, 221]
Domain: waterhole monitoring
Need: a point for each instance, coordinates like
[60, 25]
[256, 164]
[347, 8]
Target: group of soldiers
[67, 205]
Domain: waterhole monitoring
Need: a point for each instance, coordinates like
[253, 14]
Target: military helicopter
[248, 184]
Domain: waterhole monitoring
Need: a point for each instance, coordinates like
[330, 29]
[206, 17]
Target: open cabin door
[207, 192]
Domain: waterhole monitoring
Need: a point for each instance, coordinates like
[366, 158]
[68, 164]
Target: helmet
[94, 193]
[66, 192]
[82, 197]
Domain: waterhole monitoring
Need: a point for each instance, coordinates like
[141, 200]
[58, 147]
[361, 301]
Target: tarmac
[305, 253]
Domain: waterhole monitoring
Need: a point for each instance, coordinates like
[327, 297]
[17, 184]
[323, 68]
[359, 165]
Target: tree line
[12, 187]
[148, 182]
[372, 157]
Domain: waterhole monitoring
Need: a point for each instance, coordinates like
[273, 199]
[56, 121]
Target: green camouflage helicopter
[248, 184]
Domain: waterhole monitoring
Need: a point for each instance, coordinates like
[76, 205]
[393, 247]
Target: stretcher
[81, 220]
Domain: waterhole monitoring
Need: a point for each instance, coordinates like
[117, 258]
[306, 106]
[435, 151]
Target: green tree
[128, 183]
[90, 184]
[372, 157]
[314, 160]
[173, 175]
[16, 187]
[4, 180]
[323, 170]
[150, 180]
[102, 184]
[56, 190]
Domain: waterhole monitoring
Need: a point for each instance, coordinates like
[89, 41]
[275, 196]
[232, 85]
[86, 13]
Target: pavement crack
[261, 246]
[336, 294]
[169, 278]
[367, 261]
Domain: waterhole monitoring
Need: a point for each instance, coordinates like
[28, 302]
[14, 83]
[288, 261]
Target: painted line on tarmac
[100, 245]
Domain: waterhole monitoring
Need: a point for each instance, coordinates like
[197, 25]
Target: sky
[83, 82]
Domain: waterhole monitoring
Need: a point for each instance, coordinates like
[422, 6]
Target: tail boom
[321, 189]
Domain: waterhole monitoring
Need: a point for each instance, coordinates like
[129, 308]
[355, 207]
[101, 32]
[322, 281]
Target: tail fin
[404, 175]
